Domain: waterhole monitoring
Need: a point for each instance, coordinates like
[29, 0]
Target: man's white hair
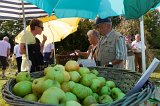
[6, 38]
[93, 32]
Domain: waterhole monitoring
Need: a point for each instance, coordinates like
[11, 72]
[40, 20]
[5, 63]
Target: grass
[10, 73]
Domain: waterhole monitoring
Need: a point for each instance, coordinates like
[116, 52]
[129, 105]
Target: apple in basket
[56, 73]
[22, 76]
[31, 97]
[72, 65]
[116, 93]
[41, 84]
[22, 88]
[89, 100]
[53, 96]
[110, 84]
[72, 103]
[105, 99]
[81, 91]
[83, 70]
[70, 96]
[67, 86]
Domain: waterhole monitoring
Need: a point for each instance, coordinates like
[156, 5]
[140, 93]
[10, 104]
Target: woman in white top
[16, 52]
[93, 38]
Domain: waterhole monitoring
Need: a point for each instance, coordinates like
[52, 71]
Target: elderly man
[111, 47]
[4, 53]
[137, 46]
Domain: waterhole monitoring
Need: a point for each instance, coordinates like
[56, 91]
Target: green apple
[22, 88]
[47, 69]
[67, 86]
[81, 91]
[105, 90]
[23, 76]
[120, 96]
[72, 103]
[37, 86]
[72, 65]
[70, 96]
[114, 92]
[41, 84]
[55, 84]
[31, 97]
[83, 70]
[89, 100]
[105, 99]
[59, 67]
[47, 83]
[94, 71]
[56, 73]
[66, 76]
[53, 96]
[87, 79]
[74, 76]
[110, 84]
[103, 80]
[96, 85]
[96, 96]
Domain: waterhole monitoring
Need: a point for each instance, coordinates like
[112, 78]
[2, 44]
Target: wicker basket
[123, 79]
[62, 59]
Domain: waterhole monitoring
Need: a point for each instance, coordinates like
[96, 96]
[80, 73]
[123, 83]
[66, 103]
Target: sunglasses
[41, 27]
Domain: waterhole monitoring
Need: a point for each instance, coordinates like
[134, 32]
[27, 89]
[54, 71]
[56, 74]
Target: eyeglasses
[41, 27]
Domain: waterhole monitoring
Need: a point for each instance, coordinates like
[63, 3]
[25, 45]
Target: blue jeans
[46, 58]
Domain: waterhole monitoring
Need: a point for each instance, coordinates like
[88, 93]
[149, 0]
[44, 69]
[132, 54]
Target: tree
[152, 29]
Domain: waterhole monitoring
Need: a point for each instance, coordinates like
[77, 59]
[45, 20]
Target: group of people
[107, 47]
[134, 51]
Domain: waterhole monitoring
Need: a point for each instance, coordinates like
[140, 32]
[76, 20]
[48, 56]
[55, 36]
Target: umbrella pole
[143, 45]
[26, 46]
[53, 42]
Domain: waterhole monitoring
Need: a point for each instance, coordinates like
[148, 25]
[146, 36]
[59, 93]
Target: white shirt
[48, 48]
[137, 45]
[4, 46]
[16, 50]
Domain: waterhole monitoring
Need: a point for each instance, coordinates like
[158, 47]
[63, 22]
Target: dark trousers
[46, 58]
[138, 62]
[19, 61]
[3, 61]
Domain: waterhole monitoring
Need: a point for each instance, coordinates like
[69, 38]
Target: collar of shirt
[108, 34]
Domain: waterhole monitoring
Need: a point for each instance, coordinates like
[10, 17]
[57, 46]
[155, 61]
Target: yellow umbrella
[55, 29]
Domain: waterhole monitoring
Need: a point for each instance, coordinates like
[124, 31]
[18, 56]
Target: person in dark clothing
[35, 47]
[16, 52]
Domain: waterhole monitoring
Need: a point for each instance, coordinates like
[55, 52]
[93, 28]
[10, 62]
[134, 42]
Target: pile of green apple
[68, 85]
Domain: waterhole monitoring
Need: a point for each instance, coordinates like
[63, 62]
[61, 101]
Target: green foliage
[10, 28]
[152, 29]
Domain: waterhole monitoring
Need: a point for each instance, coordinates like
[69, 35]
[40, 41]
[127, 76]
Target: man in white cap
[4, 53]
[111, 47]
